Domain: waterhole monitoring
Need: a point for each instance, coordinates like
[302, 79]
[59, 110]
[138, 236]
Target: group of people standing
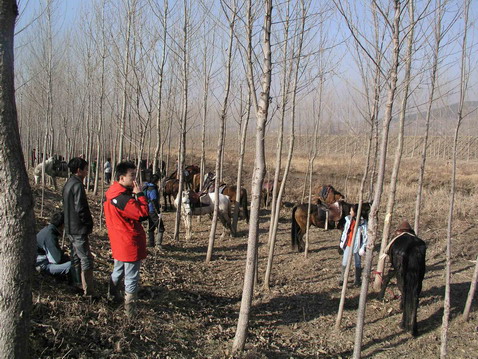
[126, 206]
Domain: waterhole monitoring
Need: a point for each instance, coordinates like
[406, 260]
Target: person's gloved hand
[342, 245]
[361, 252]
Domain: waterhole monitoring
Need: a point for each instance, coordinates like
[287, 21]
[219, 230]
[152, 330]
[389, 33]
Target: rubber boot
[88, 283]
[358, 277]
[342, 274]
[75, 276]
[159, 243]
[130, 304]
[150, 239]
[113, 292]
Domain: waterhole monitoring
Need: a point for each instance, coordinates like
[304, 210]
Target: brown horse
[196, 182]
[231, 192]
[318, 217]
[228, 190]
[329, 195]
[188, 175]
[170, 189]
[267, 191]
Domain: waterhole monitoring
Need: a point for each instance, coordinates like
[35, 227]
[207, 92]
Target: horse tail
[244, 206]
[294, 233]
[413, 271]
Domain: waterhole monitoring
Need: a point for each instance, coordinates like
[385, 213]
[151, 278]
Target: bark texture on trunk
[17, 221]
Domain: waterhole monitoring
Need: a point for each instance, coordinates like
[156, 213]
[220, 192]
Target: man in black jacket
[78, 222]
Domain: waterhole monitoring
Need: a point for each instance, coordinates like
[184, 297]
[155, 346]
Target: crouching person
[125, 207]
[50, 258]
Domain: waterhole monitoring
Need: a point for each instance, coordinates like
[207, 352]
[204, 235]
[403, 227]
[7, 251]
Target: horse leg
[226, 224]
[187, 223]
[54, 182]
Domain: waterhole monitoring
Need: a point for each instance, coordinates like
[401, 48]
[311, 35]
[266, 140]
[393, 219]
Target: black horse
[407, 256]
[335, 218]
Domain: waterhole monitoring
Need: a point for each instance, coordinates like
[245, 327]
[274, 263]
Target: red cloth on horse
[351, 232]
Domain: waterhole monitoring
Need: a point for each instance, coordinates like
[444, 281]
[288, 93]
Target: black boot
[342, 274]
[159, 243]
[113, 292]
[75, 276]
[150, 239]
[358, 277]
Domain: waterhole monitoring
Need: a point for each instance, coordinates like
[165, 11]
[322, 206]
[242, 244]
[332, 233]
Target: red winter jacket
[123, 215]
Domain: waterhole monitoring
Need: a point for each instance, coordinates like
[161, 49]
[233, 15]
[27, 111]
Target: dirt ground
[188, 309]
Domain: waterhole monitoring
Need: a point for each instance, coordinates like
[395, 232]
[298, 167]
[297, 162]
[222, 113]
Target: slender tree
[464, 77]
[262, 110]
[440, 9]
[373, 223]
[222, 125]
[16, 207]
[398, 152]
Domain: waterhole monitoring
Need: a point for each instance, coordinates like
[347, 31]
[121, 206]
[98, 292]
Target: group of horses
[406, 251]
[328, 211]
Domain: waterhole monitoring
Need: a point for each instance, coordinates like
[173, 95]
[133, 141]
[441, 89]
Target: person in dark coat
[50, 257]
[79, 222]
[150, 189]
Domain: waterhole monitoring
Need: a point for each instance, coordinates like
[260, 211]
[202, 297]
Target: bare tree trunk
[464, 76]
[262, 110]
[471, 292]
[131, 10]
[373, 223]
[240, 163]
[286, 75]
[398, 152]
[438, 38]
[220, 145]
[101, 102]
[160, 91]
[207, 76]
[275, 220]
[17, 219]
[184, 117]
[310, 166]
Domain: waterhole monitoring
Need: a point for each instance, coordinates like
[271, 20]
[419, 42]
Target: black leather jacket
[78, 218]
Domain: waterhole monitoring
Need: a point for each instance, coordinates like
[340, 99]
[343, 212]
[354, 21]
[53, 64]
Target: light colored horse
[206, 206]
[53, 168]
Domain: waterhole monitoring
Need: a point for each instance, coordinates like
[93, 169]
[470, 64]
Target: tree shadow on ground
[299, 308]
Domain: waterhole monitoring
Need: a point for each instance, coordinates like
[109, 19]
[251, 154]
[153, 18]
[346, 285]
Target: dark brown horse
[318, 217]
[228, 190]
[188, 174]
[267, 192]
[407, 256]
[170, 189]
[328, 195]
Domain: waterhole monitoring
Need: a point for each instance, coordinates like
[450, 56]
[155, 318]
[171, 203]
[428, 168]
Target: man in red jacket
[125, 208]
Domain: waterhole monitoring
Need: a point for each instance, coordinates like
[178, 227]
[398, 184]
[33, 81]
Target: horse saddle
[198, 199]
[222, 187]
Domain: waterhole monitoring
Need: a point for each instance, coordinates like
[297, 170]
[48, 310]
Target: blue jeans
[357, 259]
[130, 272]
[52, 268]
[80, 251]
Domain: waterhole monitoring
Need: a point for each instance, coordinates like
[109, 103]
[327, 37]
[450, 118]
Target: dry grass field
[189, 309]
